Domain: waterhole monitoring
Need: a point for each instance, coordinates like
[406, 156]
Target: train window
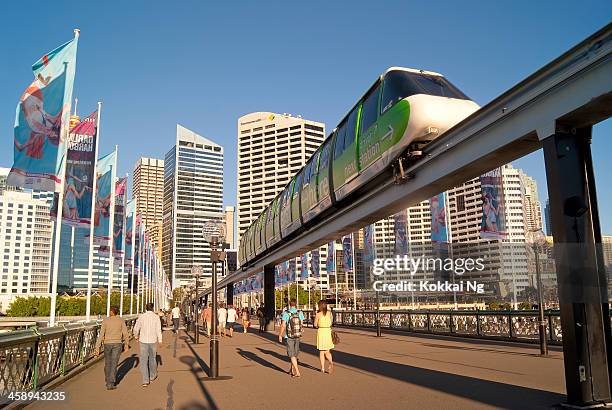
[369, 109]
[351, 126]
[307, 172]
[339, 147]
[298, 183]
[402, 84]
[324, 158]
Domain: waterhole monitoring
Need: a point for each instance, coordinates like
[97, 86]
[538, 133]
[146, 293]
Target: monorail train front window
[401, 84]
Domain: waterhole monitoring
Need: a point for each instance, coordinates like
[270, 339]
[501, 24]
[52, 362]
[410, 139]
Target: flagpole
[354, 269]
[111, 228]
[132, 258]
[60, 207]
[123, 237]
[92, 217]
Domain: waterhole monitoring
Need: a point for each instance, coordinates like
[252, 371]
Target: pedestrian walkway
[395, 371]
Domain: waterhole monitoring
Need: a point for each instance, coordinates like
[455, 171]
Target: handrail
[30, 359]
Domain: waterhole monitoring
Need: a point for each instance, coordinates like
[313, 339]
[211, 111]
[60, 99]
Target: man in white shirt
[222, 318]
[147, 331]
[232, 315]
[176, 317]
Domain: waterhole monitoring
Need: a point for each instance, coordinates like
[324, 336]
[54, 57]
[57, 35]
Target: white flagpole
[60, 207]
[111, 222]
[123, 236]
[91, 221]
[132, 259]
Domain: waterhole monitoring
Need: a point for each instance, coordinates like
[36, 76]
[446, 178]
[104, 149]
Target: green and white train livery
[404, 108]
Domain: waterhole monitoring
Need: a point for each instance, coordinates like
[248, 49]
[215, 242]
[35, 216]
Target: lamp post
[214, 234]
[196, 271]
[538, 240]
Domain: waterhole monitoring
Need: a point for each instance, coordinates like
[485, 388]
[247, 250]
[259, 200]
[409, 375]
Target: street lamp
[537, 239]
[196, 271]
[214, 234]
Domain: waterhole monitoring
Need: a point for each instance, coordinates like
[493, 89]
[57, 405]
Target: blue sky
[203, 64]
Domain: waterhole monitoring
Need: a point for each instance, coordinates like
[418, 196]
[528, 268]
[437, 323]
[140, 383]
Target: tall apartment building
[25, 232]
[531, 203]
[271, 150]
[148, 191]
[193, 195]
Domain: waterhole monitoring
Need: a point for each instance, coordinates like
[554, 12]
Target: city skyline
[496, 61]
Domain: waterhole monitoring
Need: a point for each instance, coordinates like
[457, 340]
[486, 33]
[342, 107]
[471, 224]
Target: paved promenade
[392, 372]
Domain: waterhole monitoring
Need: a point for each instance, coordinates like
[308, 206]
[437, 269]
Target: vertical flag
[493, 222]
[368, 245]
[315, 264]
[80, 166]
[291, 271]
[102, 202]
[330, 265]
[304, 263]
[118, 228]
[129, 232]
[401, 241]
[437, 208]
[347, 253]
[41, 121]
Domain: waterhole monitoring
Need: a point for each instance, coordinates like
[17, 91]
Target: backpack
[294, 325]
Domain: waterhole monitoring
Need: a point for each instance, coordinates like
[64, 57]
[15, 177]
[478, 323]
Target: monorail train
[403, 109]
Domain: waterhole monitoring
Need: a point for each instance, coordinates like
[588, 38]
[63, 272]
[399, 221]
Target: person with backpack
[291, 329]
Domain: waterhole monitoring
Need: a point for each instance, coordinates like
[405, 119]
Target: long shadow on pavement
[126, 365]
[484, 391]
[284, 357]
[255, 358]
[197, 366]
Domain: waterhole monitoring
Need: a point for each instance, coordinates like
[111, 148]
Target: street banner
[304, 263]
[42, 121]
[291, 271]
[437, 208]
[493, 223]
[80, 165]
[401, 241]
[130, 209]
[102, 203]
[119, 221]
[368, 245]
[258, 281]
[330, 263]
[315, 263]
[347, 253]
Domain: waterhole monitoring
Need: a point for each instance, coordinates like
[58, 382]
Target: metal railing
[516, 325]
[31, 358]
[512, 325]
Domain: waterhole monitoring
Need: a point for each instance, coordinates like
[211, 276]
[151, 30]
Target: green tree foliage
[282, 300]
[66, 305]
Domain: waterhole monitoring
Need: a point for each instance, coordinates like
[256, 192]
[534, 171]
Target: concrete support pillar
[269, 297]
[230, 294]
[582, 283]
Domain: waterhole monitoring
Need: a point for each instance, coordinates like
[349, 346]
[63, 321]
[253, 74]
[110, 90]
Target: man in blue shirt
[292, 322]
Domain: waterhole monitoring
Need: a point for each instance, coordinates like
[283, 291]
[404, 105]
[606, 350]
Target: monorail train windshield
[401, 84]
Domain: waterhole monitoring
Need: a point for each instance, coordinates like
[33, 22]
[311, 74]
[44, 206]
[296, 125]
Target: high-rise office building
[271, 149]
[547, 218]
[229, 217]
[193, 195]
[531, 203]
[25, 232]
[148, 191]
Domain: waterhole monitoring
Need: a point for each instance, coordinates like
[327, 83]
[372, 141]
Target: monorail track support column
[230, 294]
[269, 297]
[581, 278]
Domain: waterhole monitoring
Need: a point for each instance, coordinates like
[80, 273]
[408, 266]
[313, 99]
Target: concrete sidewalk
[391, 372]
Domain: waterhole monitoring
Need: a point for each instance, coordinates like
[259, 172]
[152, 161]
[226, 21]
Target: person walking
[207, 318]
[261, 318]
[176, 317]
[291, 329]
[115, 336]
[245, 319]
[323, 323]
[222, 318]
[232, 316]
[148, 332]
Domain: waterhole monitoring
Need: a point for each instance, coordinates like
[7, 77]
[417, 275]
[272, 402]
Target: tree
[302, 299]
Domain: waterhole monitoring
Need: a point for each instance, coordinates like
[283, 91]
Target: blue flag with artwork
[315, 263]
[437, 207]
[347, 253]
[41, 121]
[330, 263]
[368, 244]
[102, 203]
[304, 263]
